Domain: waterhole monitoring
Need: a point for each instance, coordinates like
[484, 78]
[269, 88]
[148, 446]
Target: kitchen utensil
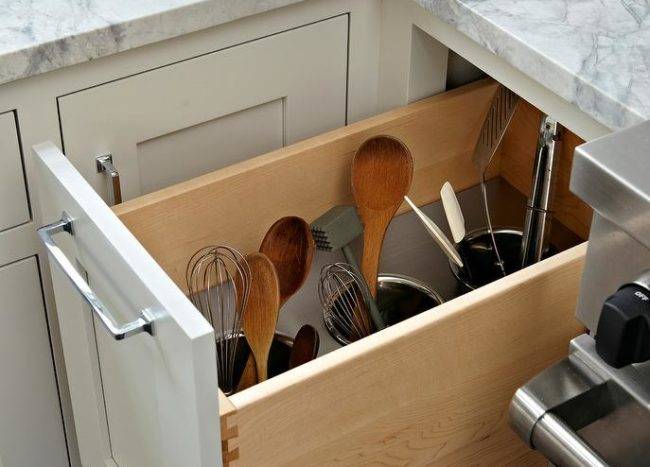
[502, 109]
[289, 245]
[454, 214]
[219, 284]
[262, 308]
[476, 251]
[500, 113]
[336, 229]
[538, 215]
[305, 346]
[401, 296]
[344, 300]
[437, 234]
[382, 170]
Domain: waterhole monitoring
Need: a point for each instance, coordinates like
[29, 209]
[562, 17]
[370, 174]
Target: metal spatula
[494, 127]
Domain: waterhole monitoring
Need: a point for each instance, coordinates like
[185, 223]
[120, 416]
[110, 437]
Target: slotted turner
[494, 127]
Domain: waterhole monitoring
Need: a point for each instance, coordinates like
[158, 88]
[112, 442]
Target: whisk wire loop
[218, 281]
[345, 305]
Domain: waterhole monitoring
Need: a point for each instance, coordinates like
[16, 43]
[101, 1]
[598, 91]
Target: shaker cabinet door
[139, 357]
[186, 119]
[31, 428]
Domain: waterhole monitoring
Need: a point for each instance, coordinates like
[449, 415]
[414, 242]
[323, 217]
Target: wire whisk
[345, 302]
[218, 280]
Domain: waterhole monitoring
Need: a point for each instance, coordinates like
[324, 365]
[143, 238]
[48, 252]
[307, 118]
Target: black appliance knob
[623, 333]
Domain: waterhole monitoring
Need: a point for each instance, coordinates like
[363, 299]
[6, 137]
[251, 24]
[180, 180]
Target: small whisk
[345, 302]
[218, 280]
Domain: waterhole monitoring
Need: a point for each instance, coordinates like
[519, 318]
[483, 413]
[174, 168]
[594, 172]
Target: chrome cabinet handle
[143, 324]
[105, 164]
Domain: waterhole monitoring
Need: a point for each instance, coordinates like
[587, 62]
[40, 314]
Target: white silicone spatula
[437, 234]
[453, 212]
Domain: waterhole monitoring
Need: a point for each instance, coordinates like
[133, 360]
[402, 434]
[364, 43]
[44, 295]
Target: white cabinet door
[182, 120]
[31, 428]
[147, 399]
[14, 209]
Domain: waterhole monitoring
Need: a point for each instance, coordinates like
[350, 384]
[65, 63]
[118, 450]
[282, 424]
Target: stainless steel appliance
[593, 407]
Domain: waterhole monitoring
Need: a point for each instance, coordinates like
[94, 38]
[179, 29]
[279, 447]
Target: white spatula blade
[453, 212]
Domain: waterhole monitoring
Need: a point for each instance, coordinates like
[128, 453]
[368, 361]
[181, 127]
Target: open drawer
[434, 388]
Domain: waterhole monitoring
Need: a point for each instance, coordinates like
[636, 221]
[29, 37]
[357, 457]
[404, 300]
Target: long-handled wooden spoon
[261, 314]
[382, 171]
[305, 346]
[290, 246]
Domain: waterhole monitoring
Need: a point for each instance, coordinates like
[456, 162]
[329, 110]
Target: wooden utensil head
[261, 314]
[305, 346]
[382, 170]
[290, 247]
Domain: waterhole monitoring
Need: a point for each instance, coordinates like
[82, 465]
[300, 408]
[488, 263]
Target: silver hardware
[538, 214]
[577, 405]
[582, 411]
[105, 164]
[143, 324]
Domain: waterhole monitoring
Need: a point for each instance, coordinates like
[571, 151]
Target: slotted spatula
[494, 127]
[499, 115]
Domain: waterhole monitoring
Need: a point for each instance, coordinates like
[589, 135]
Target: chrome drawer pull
[142, 324]
[105, 164]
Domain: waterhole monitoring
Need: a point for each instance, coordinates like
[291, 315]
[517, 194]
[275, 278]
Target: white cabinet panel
[31, 430]
[14, 209]
[209, 146]
[145, 400]
[199, 115]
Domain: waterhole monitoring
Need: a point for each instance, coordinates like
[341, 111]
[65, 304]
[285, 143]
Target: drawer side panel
[434, 389]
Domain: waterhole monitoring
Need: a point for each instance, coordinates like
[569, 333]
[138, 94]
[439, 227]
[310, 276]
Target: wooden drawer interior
[432, 388]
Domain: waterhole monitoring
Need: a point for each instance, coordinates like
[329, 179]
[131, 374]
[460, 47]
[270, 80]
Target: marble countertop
[593, 53]
[37, 36]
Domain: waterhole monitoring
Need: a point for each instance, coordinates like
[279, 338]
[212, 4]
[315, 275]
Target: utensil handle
[143, 324]
[375, 314]
[538, 215]
[373, 237]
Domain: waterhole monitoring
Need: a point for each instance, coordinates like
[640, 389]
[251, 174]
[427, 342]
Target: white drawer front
[186, 119]
[14, 208]
[147, 399]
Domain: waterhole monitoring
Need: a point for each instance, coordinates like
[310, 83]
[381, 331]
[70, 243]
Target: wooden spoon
[305, 346]
[290, 246]
[382, 170]
[261, 314]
